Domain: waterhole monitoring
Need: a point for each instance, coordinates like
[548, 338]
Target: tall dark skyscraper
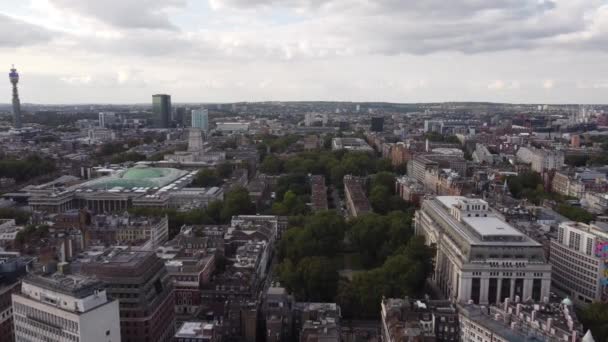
[14, 77]
[377, 124]
[161, 107]
[180, 118]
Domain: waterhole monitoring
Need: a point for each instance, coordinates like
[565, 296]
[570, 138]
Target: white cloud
[17, 33]
[146, 14]
[77, 80]
[504, 85]
[310, 49]
[498, 85]
[548, 84]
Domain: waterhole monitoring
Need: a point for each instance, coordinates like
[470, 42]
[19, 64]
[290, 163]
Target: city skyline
[515, 51]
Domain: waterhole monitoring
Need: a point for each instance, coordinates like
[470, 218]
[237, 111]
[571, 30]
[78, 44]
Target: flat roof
[449, 201]
[73, 285]
[194, 329]
[475, 229]
[491, 226]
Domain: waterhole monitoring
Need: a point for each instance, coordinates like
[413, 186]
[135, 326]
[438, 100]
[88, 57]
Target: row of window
[45, 317]
[27, 328]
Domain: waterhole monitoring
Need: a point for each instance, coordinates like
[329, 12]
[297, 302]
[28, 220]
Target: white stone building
[480, 257]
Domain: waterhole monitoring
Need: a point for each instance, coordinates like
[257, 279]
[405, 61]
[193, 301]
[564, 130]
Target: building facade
[354, 194]
[161, 108]
[140, 282]
[521, 321]
[579, 256]
[64, 308]
[200, 119]
[377, 124]
[418, 320]
[541, 160]
[106, 119]
[479, 257]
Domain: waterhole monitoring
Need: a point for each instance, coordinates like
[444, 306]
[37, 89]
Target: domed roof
[588, 337]
[143, 177]
[567, 302]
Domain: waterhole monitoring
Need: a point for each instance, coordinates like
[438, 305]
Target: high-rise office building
[106, 119]
[161, 107]
[479, 256]
[14, 78]
[377, 124]
[195, 140]
[200, 119]
[64, 308]
[181, 116]
[579, 257]
[141, 283]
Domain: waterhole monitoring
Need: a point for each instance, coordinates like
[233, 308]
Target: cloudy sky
[123, 51]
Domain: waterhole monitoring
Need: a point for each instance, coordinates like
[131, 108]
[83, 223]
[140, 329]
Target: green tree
[375, 237]
[207, 178]
[127, 157]
[271, 165]
[320, 278]
[379, 198]
[292, 204]
[386, 179]
[214, 210]
[224, 170]
[295, 182]
[26, 168]
[402, 274]
[595, 317]
[313, 279]
[111, 148]
[576, 160]
[575, 213]
[237, 202]
[384, 165]
[21, 217]
[31, 233]
[367, 235]
[321, 235]
[399, 228]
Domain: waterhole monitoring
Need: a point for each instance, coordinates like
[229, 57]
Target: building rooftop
[518, 320]
[480, 227]
[491, 226]
[73, 285]
[195, 330]
[140, 176]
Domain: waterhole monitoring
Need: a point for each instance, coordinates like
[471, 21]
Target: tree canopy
[376, 237]
[21, 217]
[595, 317]
[27, 168]
[402, 274]
[397, 263]
[236, 202]
[207, 178]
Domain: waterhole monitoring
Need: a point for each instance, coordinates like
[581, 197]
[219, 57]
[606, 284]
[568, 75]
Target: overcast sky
[123, 51]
